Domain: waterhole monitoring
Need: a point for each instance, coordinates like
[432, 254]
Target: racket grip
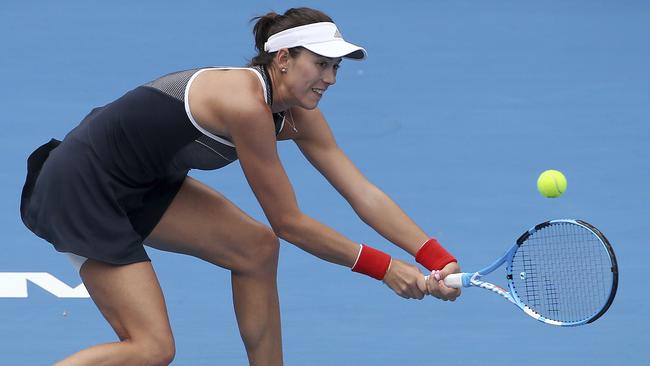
[456, 280]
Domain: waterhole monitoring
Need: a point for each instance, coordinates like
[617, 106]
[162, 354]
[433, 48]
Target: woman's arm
[253, 134]
[372, 205]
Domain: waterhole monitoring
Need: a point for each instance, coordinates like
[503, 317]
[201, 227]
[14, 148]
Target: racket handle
[456, 280]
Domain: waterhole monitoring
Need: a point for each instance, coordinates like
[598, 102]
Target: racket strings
[550, 269]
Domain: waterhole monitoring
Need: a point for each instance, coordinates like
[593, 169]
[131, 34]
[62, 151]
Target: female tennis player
[119, 180]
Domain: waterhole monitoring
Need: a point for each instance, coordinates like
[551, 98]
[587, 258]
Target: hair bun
[262, 28]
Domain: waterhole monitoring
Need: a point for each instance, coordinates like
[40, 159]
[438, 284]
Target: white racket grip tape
[454, 280]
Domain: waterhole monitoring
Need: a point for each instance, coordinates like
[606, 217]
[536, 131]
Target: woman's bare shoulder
[219, 96]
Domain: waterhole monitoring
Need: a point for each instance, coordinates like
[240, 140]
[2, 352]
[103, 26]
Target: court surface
[459, 107]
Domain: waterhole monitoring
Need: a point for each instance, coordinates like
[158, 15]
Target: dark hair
[272, 23]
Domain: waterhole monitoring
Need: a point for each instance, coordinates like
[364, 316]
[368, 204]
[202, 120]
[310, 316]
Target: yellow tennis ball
[551, 183]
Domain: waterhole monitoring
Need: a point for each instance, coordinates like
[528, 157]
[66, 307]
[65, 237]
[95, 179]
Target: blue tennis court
[457, 110]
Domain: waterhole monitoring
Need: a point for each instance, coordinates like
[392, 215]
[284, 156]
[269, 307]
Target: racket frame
[474, 279]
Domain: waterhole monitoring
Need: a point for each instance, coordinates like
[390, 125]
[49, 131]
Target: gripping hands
[406, 279]
[408, 282]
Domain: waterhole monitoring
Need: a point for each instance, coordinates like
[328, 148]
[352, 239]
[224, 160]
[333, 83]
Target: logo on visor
[337, 34]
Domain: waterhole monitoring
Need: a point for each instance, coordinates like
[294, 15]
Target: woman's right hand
[436, 285]
[406, 280]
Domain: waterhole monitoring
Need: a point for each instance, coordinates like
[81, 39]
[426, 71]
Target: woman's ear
[282, 58]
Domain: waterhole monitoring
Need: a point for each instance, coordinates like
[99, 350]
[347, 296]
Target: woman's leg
[202, 223]
[130, 299]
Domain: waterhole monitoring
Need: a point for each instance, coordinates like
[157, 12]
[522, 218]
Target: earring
[284, 69]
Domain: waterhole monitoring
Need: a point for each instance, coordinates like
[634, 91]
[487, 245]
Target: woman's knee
[261, 254]
[159, 352]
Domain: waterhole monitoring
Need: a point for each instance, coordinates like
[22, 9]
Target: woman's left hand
[405, 279]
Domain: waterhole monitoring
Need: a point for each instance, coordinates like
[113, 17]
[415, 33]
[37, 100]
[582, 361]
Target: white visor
[321, 38]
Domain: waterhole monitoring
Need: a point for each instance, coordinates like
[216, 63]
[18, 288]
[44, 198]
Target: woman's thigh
[203, 223]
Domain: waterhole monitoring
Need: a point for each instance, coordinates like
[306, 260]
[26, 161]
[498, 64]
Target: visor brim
[338, 48]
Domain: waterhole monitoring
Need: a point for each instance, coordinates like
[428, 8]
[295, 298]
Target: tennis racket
[560, 272]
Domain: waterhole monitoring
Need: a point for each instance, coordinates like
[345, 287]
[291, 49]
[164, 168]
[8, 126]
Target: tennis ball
[551, 183]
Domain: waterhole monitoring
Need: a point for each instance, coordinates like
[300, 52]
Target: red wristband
[433, 256]
[372, 262]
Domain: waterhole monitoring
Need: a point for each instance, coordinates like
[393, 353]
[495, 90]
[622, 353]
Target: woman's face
[308, 77]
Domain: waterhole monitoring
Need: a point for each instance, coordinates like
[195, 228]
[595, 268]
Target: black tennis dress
[100, 192]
